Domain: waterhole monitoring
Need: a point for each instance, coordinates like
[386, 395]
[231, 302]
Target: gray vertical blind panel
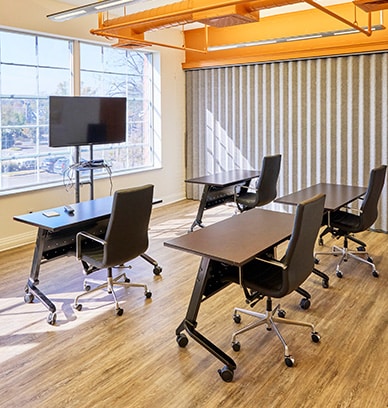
[328, 118]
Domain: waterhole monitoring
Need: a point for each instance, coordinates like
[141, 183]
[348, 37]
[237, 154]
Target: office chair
[266, 277]
[126, 238]
[246, 197]
[344, 223]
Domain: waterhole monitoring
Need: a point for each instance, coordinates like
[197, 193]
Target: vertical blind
[328, 118]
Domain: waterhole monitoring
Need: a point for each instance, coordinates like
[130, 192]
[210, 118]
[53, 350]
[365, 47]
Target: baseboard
[17, 240]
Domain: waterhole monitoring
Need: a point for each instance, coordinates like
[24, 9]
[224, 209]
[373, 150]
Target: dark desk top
[85, 211]
[225, 178]
[239, 238]
[337, 195]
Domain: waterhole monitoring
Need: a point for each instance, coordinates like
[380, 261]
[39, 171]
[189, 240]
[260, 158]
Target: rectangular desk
[219, 188]
[227, 244]
[56, 236]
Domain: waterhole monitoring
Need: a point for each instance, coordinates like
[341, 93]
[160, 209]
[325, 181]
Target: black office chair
[125, 239]
[344, 223]
[265, 190]
[270, 278]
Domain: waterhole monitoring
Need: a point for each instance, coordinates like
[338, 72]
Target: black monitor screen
[84, 120]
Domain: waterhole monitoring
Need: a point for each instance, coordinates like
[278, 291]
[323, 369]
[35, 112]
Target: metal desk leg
[31, 289]
[201, 208]
[190, 322]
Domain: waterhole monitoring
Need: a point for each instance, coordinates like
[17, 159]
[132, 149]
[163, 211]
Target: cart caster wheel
[305, 303]
[375, 274]
[236, 346]
[325, 283]
[289, 361]
[148, 294]
[237, 318]
[282, 313]
[78, 307]
[52, 318]
[315, 337]
[339, 274]
[28, 298]
[182, 340]
[157, 270]
[119, 311]
[226, 374]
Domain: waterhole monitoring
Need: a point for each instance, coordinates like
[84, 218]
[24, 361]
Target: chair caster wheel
[237, 318]
[78, 307]
[127, 280]
[236, 346]
[148, 295]
[315, 337]
[325, 283]
[320, 242]
[86, 287]
[182, 340]
[226, 374]
[157, 270]
[119, 311]
[305, 303]
[52, 318]
[28, 298]
[289, 361]
[375, 274]
[339, 274]
[282, 313]
[361, 249]
[369, 259]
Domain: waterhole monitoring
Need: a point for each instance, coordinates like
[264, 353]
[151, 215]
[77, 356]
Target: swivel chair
[265, 191]
[265, 277]
[125, 239]
[345, 223]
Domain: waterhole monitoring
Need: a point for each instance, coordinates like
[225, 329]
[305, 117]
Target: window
[33, 67]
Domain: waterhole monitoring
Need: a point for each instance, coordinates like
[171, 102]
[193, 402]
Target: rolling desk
[219, 188]
[226, 245]
[56, 237]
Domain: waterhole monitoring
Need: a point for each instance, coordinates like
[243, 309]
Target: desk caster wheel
[289, 360]
[28, 298]
[52, 318]
[148, 294]
[182, 340]
[305, 303]
[226, 374]
[157, 270]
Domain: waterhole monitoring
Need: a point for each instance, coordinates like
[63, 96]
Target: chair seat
[247, 199]
[345, 220]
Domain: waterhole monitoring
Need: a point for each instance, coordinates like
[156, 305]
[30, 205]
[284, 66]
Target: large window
[32, 68]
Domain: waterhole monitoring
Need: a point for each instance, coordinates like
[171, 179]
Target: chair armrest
[272, 262]
[87, 235]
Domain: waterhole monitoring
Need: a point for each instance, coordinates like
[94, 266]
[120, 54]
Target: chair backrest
[369, 206]
[299, 257]
[267, 182]
[127, 231]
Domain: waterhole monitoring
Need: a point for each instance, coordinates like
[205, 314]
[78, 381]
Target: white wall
[169, 185]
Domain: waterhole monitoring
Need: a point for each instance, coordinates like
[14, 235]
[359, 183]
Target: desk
[219, 188]
[227, 244]
[56, 237]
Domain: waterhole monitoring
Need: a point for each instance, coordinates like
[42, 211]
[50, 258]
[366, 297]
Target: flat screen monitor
[85, 120]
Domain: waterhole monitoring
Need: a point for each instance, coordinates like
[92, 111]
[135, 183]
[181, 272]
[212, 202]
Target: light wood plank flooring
[94, 358]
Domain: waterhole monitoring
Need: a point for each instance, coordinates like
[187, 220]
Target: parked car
[61, 165]
[49, 162]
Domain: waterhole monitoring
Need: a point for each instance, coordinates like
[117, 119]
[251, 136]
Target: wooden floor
[94, 358]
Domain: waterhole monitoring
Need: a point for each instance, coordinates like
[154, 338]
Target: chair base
[270, 320]
[345, 254]
[109, 285]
